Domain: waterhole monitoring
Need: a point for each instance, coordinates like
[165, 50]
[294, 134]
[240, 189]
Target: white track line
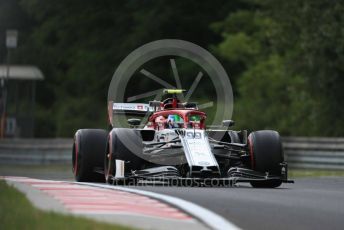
[206, 216]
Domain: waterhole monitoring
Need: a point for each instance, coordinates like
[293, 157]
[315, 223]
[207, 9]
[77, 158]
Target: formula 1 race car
[175, 147]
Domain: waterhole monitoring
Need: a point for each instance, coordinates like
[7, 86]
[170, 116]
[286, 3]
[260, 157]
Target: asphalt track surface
[310, 203]
[307, 204]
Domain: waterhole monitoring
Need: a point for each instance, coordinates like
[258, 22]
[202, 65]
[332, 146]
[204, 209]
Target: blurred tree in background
[291, 60]
[285, 58]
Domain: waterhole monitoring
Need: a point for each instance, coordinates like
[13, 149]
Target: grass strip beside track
[16, 212]
[301, 173]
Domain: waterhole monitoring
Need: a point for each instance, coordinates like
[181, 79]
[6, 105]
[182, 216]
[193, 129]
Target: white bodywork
[195, 144]
[197, 149]
[131, 107]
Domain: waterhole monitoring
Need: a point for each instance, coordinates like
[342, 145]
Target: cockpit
[177, 121]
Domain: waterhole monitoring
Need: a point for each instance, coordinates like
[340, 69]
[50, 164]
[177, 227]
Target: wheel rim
[75, 156]
[250, 146]
[109, 166]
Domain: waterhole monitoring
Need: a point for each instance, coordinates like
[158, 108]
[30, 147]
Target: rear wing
[136, 109]
[158, 106]
[141, 109]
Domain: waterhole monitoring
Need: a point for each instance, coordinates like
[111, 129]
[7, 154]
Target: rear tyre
[266, 184]
[126, 145]
[266, 156]
[88, 151]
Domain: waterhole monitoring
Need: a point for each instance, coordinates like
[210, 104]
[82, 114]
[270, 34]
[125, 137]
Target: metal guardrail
[314, 152]
[300, 152]
[35, 151]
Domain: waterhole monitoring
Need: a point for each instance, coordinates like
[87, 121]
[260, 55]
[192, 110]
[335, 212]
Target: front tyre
[88, 151]
[266, 153]
[124, 145]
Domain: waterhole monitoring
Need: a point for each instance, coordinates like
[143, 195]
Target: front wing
[169, 176]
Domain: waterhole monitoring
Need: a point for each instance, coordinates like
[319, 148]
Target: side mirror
[134, 122]
[228, 123]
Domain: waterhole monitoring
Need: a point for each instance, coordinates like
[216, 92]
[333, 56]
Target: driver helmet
[160, 119]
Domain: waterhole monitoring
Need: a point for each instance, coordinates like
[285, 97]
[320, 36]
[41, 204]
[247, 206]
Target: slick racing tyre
[125, 145]
[88, 151]
[266, 153]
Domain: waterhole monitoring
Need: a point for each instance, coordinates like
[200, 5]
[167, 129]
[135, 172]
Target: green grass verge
[299, 173]
[16, 212]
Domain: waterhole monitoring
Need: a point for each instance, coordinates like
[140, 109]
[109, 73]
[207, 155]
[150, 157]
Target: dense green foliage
[285, 58]
[292, 53]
